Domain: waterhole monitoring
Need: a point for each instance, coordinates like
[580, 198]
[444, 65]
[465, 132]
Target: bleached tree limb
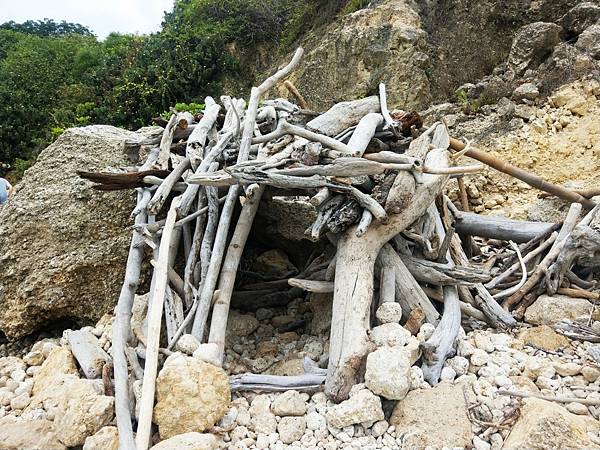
[154, 322]
[353, 293]
[194, 149]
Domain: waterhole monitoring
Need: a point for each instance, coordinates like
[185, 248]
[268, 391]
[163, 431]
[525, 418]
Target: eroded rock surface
[64, 245]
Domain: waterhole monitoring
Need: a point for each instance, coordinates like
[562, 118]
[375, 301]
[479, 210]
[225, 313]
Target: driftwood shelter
[376, 179]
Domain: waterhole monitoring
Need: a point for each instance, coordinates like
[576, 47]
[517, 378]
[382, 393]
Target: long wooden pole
[154, 322]
[527, 177]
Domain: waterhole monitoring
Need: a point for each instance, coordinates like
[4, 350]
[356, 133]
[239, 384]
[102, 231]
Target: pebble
[291, 429]
[479, 357]
[480, 444]
[577, 408]
[448, 374]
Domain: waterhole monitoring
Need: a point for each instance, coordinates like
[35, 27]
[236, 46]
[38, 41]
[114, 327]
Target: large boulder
[446, 403]
[63, 244]
[38, 434]
[189, 441]
[549, 310]
[192, 395]
[544, 425]
[532, 45]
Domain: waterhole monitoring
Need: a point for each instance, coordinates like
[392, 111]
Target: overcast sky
[101, 16]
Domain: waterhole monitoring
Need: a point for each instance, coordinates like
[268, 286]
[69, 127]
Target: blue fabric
[3, 190]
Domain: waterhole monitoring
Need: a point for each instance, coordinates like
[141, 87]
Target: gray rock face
[580, 17]
[589, 41]
[63, 244]
[532, 45]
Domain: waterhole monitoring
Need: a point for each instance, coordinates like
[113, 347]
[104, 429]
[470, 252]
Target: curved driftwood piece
[520, 174]
[496, 227]
[285, 128]
[544, 265]
[582, 247]
[344, 115]
[194, 149]
[349, 343]
[515, 267]
[438, 273]
[210, 282]
[276, 383]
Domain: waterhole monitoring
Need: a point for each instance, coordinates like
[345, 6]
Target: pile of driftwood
[378, 188]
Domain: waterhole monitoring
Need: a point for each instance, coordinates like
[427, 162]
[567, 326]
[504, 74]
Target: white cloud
[101, 16]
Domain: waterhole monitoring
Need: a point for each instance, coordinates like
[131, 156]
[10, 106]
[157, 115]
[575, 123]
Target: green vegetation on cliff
[57, 75]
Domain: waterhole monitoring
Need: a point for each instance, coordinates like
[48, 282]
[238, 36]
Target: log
[88, 353]
[154, 321]
[387, 285]
[276, 383]
[364, 132]
[408, 292]
[319, 287]
[163, 191]
[527, 177]
[162, 162]
[121, 330]
[442, 342]
[194, 149]
[353, 292]
[438, 273]
[294, 91]
[496, 227]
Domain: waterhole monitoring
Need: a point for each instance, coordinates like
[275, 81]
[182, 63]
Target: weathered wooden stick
[320, 287]
[154, 321]
[543, 266]
[387, 285]
[285, 128]
[163, 191]
[393, 158]
[527, 177]
[229, 272]
[530, 256]
[276, 383]
[162, 162]
[122, 327]
[437, 273]
[579, 293]
[173, 313]
[210, 282]
[88, 353]
[364, 223]
[364, 132]
[515, 288]
[320, 197]
[194, 149]
[441, 343]
[208, 239]
[191, 261]
[294, 91]
[465, 308]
